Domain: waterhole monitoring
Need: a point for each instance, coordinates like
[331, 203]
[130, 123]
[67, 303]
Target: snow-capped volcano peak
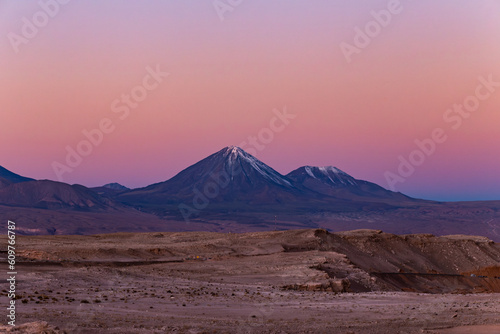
[324, 170]
[232, 175]
[236, 158]
[327, 174]
[232, 151]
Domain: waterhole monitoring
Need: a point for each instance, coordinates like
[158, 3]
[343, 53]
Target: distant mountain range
[232, 190]
[234, 177]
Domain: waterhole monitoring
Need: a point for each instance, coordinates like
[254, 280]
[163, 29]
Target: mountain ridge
[231, 190]
[7, 177]
[46, 194]
[226, 175]
[231, 174]
[332, 181]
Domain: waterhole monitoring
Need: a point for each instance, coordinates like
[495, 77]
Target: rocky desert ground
[298, 281]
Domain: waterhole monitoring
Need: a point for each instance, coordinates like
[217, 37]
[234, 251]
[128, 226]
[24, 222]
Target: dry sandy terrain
[265, 282]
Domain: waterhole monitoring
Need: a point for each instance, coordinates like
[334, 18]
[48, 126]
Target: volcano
[331, 181]
[230, 175]
[231, 182]
[232, 190]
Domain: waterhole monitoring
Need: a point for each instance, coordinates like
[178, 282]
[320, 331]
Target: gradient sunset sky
[227, 75]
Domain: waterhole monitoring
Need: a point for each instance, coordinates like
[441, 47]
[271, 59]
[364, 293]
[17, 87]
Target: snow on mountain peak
[308, 170]
[233, 153]
[323, 170]
[232, 150]
[334, 174]
[332, 169]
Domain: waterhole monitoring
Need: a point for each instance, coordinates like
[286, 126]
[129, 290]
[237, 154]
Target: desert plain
[296, 281]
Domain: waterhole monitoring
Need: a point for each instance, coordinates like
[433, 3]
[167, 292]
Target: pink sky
[226, 77]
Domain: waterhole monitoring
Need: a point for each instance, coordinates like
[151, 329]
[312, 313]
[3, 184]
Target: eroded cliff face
[314, 259]
[419, 262]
